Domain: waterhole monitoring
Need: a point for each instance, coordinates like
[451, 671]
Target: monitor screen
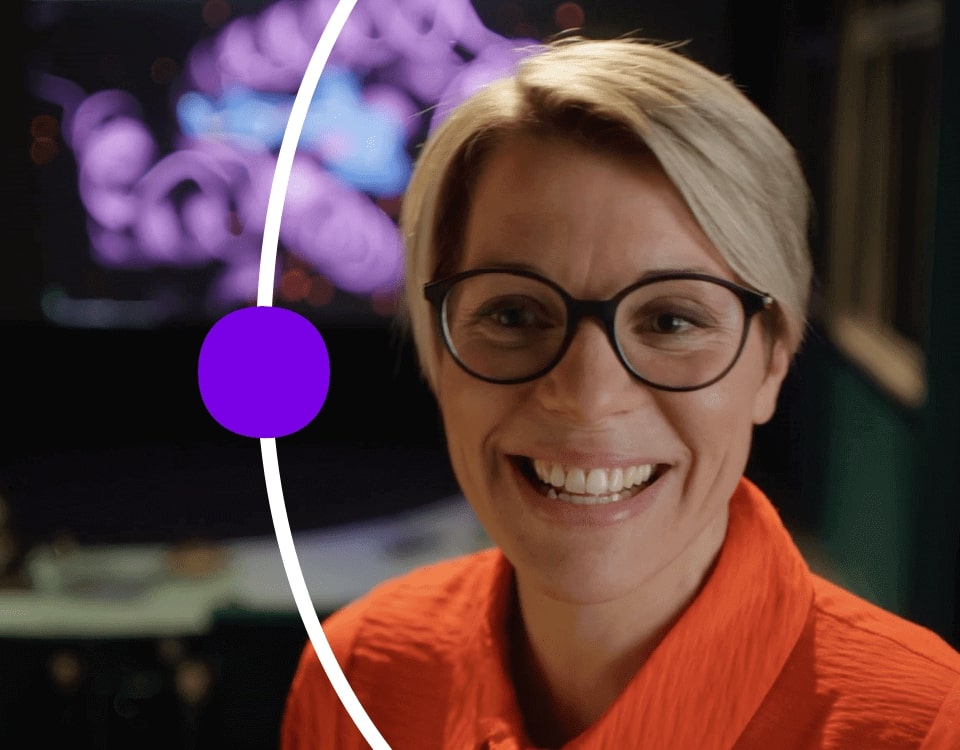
[154, 133]
[156, 137]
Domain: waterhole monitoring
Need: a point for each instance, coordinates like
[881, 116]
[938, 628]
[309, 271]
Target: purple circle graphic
[264, 372]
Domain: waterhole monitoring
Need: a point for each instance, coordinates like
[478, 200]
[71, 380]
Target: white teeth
[598, 483]
[616, 479]
[576, 481]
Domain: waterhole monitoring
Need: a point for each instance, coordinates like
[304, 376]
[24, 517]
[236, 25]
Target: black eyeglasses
[674, 332]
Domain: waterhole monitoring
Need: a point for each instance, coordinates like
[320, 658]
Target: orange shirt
[768, 656]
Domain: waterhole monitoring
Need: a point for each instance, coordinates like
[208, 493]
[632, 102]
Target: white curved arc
[291, 565]
[268, 446]
[288, 148]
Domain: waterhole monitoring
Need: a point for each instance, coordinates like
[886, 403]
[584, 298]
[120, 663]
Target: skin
[596, 591]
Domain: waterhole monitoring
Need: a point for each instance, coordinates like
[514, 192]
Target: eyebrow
[651, 274]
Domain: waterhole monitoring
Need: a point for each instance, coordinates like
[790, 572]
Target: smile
[587, 485]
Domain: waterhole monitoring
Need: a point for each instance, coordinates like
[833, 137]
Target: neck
[571, 660]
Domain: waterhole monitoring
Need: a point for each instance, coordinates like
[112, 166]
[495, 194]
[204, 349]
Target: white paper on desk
[345, 562]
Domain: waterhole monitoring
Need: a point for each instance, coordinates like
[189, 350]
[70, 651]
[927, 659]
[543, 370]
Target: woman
[606, 282]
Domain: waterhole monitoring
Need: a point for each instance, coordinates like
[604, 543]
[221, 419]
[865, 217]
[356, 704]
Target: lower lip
[564, 513]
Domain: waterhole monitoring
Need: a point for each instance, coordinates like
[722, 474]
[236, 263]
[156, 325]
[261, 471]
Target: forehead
[571, 211]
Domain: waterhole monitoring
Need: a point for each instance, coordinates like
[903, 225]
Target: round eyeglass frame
[604, 311]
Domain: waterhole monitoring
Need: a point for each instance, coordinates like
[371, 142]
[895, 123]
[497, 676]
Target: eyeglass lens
[677, 333]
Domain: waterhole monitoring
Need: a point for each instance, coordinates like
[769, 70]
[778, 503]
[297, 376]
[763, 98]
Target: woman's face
[595, 224]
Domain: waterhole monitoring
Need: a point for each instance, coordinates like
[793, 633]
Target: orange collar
[705, 680]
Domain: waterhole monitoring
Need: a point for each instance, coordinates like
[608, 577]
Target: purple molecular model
[397, 69]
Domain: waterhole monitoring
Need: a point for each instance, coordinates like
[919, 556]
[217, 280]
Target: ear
[765, 399]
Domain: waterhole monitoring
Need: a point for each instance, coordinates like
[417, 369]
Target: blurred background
[142, 600]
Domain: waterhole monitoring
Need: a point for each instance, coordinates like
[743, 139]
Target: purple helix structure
[398, 68]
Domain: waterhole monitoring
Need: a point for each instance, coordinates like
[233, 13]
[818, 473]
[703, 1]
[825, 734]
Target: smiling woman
[593, 222]
[607, 275]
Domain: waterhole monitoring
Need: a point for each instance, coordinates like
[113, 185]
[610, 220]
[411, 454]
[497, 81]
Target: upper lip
[582, 459]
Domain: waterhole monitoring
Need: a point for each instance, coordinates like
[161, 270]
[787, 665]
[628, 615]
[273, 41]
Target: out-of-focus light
[43, 151]
[194, 681]
[44, 126]
[65, 670]
[163, 70]
[384, 303]
[215, 13]
[294, 285]
[321, 292]
[45, 130]
[569, 16]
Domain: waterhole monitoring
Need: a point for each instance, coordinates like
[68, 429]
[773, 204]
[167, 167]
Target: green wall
[869, 470]
[885, 480]
[936, 573]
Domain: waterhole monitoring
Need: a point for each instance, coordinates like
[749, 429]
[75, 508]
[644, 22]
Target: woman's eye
[670, 323]
[513, 317]
[512, 313]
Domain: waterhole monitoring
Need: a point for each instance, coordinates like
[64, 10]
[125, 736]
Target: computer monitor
[155, 128]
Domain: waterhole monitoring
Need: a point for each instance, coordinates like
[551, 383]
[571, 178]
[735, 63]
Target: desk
[130, 591]
[131, 628]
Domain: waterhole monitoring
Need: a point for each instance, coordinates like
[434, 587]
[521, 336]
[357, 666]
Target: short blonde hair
[738, 174]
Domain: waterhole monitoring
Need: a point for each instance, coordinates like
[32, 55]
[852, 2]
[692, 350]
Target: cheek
[472, 413]
[462, 444]
[717, 420]
[459, 418]
[699, 414]
[714, 402]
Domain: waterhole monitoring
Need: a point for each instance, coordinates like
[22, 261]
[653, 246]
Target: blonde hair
[736, 171]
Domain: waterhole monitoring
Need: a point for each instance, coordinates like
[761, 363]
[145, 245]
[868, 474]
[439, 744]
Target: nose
[589, 383]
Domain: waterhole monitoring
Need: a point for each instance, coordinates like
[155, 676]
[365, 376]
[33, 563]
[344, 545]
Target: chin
[584, 554]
